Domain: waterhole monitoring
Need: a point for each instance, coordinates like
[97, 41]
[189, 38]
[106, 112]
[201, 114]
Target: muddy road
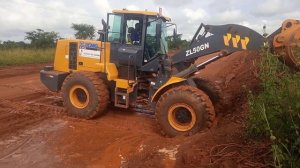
[36, 132]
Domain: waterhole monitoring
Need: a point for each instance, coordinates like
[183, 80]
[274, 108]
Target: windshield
[152, 46]
[114, 28]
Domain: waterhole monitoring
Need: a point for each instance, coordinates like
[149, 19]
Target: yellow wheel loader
[129, 67]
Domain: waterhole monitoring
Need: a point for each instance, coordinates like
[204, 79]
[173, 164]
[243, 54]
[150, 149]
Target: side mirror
[102, 33]
[104, 24]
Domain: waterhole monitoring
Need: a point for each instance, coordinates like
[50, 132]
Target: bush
[275, 111]
[41, 39]
[18, 56]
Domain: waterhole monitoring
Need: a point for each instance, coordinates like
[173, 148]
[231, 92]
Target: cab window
[133, 30]
[114, 28]
[151, 44]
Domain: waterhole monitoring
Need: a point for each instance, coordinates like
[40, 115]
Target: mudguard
[170, 82]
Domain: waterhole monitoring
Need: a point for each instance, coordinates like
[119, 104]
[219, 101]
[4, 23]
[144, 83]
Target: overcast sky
[20, 16]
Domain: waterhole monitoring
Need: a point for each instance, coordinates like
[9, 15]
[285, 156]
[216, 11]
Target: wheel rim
[181, 117]
[79, 96]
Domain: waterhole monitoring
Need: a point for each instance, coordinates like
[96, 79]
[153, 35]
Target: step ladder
[122, 91]
[121, 98]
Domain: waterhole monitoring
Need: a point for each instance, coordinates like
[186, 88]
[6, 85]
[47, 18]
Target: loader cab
[135, 41]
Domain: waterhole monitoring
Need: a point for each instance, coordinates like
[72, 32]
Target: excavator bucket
[286, 44]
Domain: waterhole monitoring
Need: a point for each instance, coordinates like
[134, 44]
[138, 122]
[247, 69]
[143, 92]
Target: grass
[275, 111]
[21, 56]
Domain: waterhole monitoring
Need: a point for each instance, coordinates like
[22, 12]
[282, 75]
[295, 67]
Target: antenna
[160, 11]
[265, 34]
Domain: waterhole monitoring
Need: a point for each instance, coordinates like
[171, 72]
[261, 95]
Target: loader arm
[210, 39]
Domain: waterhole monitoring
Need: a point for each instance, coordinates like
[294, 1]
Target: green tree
[175, 41]
[84, 31]
[41, 39]
[12, 44]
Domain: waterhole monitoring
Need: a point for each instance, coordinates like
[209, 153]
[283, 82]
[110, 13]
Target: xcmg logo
[236, 40]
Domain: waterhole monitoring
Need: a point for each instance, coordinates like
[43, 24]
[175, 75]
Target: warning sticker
[89, 50]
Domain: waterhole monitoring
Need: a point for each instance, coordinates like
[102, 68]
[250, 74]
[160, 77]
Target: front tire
[85, 95]
[184, 110]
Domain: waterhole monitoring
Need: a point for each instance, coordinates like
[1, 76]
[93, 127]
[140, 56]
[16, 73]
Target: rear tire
[85, 95]
[184, 110]
[213, 91]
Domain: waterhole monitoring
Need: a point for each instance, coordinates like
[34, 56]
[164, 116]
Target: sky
[20, 16]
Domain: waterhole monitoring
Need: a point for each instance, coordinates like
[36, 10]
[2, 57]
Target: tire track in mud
[31, 147]
[21, 112]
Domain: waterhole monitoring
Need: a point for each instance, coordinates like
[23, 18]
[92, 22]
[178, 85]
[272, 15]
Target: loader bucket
[286, 44]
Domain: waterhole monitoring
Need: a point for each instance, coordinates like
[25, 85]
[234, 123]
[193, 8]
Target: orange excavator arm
[286, 43]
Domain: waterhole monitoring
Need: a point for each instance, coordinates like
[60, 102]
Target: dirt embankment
[35, 132]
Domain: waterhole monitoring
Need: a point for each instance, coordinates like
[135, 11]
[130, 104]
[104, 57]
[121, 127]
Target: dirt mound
[226, 144]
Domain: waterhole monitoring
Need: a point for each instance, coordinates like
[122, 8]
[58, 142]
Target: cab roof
[148, 13]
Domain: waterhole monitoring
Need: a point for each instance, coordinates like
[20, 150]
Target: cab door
[114, 35]
[124, 53]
